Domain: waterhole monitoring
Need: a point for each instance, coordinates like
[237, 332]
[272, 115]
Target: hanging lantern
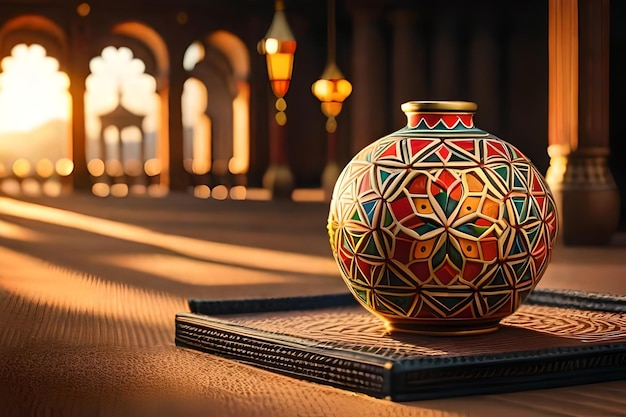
[332, 88]
[279, 47]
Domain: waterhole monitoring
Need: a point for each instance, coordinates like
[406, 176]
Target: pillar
[174, 174]
[79, 70]
[563, 91]
[590, 198]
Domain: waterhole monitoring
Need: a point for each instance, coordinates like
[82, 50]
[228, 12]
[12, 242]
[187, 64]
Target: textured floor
[89, 289]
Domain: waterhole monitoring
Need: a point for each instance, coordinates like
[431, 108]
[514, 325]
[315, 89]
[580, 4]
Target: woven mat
[557, 338]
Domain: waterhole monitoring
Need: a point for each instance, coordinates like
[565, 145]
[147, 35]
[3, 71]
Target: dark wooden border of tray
[406, 379]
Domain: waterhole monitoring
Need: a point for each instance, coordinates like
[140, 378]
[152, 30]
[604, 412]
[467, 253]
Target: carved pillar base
[279, 180]
[590, 199]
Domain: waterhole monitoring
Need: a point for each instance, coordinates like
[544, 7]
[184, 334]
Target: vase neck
[440, 121]
[441, 117]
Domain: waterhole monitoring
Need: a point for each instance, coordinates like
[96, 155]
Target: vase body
[440, 227]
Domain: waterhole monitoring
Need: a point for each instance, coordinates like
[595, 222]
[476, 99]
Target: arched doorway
[122, 123]
[215, 106]
[126, 132]
[35, 108]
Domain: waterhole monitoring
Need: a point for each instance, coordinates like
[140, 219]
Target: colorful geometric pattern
[455, 123]
[441, 229]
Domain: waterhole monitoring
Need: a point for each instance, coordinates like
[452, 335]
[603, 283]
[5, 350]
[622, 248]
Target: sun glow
[34, 122]
[32, 90]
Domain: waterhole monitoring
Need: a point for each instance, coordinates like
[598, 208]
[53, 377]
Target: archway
[219, 69]
[126, 113]
[35, 108]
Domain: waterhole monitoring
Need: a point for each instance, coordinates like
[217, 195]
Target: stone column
[590, 196]
[79, 70]
[369, 77]
[175, 174]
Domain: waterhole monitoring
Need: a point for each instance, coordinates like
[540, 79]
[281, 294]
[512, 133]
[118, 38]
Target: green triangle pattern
[450, 302]
[362, 294]
[495, 301]
[402, 302]
[504, 172]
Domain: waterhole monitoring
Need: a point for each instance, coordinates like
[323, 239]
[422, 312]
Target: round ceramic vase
[440, 227]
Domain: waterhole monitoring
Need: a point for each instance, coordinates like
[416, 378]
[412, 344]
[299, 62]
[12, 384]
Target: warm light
[34, 108]
[100, 189]
[281, 118]
[238, 192]
[21, 168]
[253, 258]
[279, 68]
[52, 188]
[331, 124]
[200, 167]
[33, 90]
[305, 194]
[133, 167]
[96, 167]
[119, 190]
[137, 189]
[64, 167]
[152, 167]
[279, 47]
[194, 54]
[10, 186]
[31, 187]
[114, 168]
[220, 192]
[201, 191]
[240, 161]
[83, 9]
[157, 190]
[331, 89]
[197, 132]
[259, 194]
[271, 46]
[44, 168]
[15, 232]
[281, 104]
[118, 78]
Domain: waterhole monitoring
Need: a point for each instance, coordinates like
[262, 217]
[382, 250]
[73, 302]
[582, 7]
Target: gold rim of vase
[439, 106]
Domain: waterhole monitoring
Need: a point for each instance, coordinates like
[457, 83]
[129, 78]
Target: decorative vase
[440, 227]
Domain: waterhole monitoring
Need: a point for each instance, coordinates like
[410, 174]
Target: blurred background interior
[143, 97]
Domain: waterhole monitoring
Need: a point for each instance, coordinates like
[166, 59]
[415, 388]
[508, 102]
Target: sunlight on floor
[13, 231]
[82, 294]
[221, 253]
[195, 272]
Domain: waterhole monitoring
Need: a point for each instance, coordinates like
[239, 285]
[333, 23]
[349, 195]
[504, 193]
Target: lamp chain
[331, 31]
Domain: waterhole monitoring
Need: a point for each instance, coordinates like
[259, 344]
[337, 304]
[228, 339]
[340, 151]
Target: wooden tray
[557, 338]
